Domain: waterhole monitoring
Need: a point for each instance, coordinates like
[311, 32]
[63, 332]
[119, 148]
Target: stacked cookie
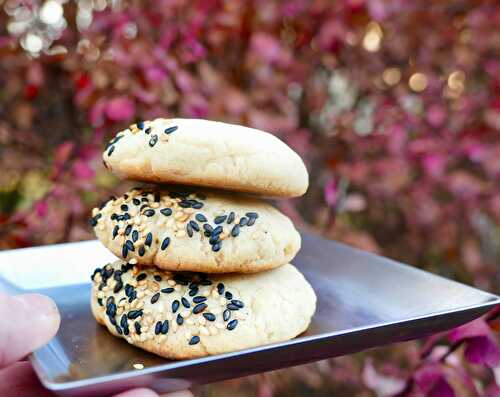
[202, 271]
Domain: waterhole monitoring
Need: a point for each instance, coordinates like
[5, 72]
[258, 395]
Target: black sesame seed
[126, 216]
[110, 300]
[193, 292]
[118, 286]
[153, 140]
[142, 250]
[199, 308]
[199, 299]
[179, 280]
[157, 277]
[130, 245]
[220, 219]
[189, 230]
[232, 325]
[193, 284]
[118, 275]
[137, 327]
[185, 303]
[149, 213]
[111, 310]
[149, 239]
[197, 205]
[194, 225]
[111, 150]
[214, 239]
[252, 215]
[108, 272]
[124, 251]
[112, 320]
[179, 319]
[99, 300]
[230, 218]
[194, 340]
[140, 125]
[166, 211]
[147, 130]
[124, 207]
[209, 316]
[128, 289]
[217, 230]
[251, 221]
[217, 247]
[119, 330]
[206, 282]
[158, 328]
[184, 204]
[243, 221]
[136, 201]
[141, 276]
[165, 243]
[164, 327]
[169, 130]
[175, 306]
[200, 218]
[128, 229]
[230, 306]
[115, 231]
[123, 321]
[220, 288]
[125, 196]
[132, 296]
[97, 270]
[167, 290]
[238, 303]
[228, 295]
[135, 236]
[235, 231]
[226, 315]
[133, 314]
[113, 216]
[155, 297]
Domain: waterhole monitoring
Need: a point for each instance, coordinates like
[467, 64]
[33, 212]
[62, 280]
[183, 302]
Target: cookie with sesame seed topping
[227, 313]
[209, 231]
[207, 153]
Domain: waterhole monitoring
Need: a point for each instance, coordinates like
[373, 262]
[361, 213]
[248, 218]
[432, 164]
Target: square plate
[364, 301]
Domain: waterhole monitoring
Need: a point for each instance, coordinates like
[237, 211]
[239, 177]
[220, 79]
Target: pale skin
[28, 322]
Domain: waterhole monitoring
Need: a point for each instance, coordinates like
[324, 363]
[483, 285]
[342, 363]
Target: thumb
[27, 323]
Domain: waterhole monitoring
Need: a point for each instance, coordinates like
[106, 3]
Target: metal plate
[364, 301]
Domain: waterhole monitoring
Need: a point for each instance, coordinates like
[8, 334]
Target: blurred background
[393, 105]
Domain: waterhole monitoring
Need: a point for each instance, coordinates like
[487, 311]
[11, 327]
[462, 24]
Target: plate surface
[364, 301]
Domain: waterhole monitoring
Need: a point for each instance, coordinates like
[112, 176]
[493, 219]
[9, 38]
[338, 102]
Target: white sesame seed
[204, 331]
[171, 282]
[133, 261]
[185, 313]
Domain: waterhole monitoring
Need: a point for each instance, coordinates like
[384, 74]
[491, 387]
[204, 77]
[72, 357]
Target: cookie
[188, 315]
[208, 231]
[207, 153]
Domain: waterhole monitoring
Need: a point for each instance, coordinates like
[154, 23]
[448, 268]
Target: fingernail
[42, 312]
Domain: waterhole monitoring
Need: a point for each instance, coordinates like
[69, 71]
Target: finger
[19, 380]
[28, 322]
[138, 393]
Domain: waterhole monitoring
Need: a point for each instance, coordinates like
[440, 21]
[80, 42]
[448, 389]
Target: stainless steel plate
[364, 301]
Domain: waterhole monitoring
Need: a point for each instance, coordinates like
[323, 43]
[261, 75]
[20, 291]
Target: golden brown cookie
[207, 153]
[209, 232]
[179, 315]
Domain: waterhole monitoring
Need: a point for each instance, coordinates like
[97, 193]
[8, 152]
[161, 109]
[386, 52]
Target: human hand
[27, 323]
